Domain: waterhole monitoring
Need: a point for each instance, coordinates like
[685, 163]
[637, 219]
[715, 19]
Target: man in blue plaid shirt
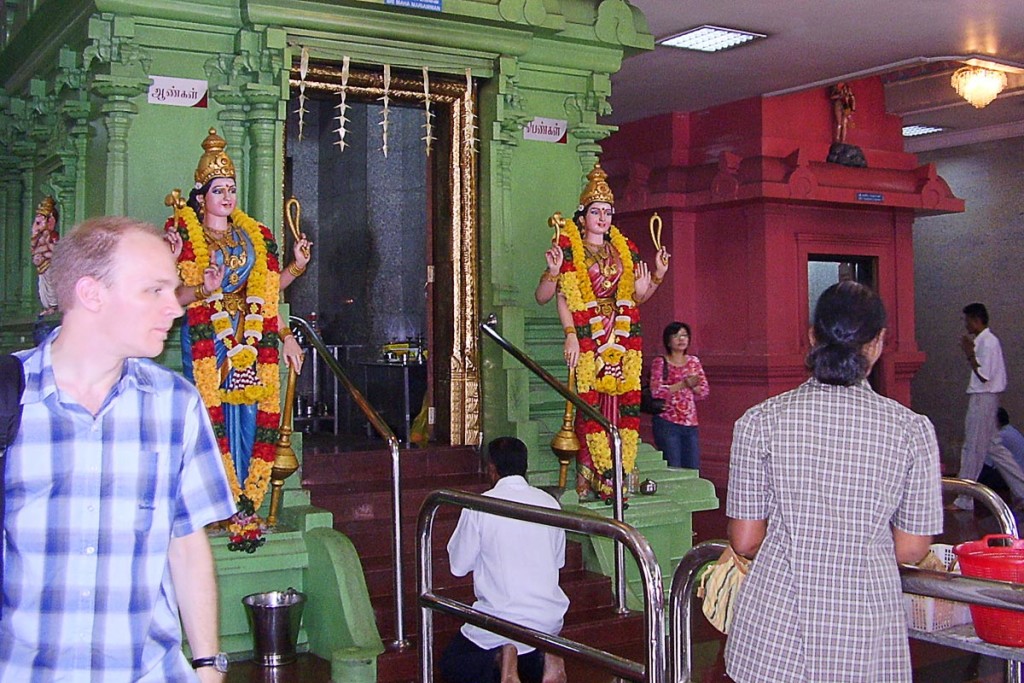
[111, 480]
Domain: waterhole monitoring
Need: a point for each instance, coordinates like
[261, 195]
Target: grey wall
[974, 256]
[367, 216]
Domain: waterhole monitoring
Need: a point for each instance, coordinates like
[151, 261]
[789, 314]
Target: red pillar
[747, 201]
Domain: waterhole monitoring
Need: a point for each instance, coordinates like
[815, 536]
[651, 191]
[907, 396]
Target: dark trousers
[465, 662]
[677, 443]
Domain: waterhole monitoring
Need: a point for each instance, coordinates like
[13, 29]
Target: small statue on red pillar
[843, 105]
[44, 236]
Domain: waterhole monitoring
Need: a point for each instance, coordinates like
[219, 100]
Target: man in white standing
[988, 380]
[515, 577]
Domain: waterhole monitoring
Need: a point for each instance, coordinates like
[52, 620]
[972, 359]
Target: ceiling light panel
[709, 38]
[915, 130]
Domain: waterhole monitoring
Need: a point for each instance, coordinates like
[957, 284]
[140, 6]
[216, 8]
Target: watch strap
[218, 661]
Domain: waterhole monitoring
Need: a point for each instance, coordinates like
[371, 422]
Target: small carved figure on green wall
[44, 236]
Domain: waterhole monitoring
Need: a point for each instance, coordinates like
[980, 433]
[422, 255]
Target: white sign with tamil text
[178, 92]
[546, 130]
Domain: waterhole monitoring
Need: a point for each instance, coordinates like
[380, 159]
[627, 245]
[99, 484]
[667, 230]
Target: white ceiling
[818, 42]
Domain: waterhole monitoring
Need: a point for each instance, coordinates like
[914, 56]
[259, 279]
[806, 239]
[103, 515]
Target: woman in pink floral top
[675, 429]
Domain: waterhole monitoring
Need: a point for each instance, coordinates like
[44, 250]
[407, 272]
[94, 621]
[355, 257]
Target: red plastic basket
[1004, 562]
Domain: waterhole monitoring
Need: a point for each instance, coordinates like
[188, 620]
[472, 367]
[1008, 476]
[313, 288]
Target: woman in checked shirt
[830, 486]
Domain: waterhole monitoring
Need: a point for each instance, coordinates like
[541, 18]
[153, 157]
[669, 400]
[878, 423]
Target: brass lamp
[285, 462]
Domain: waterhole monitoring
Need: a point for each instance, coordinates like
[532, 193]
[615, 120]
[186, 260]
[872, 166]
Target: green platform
[665, 519]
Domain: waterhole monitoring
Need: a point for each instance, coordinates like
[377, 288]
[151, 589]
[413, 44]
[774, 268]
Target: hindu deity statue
[600, 280]
[232, 336]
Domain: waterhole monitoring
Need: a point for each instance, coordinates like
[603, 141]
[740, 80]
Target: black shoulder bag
[649, 404]
[12, 386]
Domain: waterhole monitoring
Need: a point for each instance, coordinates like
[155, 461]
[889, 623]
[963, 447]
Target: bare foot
[554, 669]
[509, 664]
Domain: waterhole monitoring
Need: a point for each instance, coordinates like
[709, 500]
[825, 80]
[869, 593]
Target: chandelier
[978, 85]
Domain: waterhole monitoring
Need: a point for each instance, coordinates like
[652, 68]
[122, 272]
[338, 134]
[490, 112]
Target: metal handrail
[983, 592]
[653, 671]
[929, 583]
[389, 436]
[613, 436]
[989, 498]
[680, 606]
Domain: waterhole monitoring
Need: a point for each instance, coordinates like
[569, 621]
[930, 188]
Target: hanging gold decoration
[386, 98]
[470, 119]
[428, 125]
[342, 107]
[303, 72]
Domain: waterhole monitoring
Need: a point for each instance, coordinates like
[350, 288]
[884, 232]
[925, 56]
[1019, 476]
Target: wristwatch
[219, 662]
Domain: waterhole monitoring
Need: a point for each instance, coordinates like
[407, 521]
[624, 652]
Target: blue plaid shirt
[92, 504]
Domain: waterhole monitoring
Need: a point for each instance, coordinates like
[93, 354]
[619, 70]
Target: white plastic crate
[934, 614]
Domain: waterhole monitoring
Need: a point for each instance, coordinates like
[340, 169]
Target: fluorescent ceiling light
[710, 38]
[915, 130]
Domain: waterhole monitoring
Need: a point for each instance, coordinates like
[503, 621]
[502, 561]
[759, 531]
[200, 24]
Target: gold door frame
[463, 395]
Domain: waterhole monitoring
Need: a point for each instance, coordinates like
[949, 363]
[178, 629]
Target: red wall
[746, 196]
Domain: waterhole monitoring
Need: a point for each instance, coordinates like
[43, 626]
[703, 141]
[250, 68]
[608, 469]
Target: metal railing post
[987, 497]
[614, 438]
[396, 487]
[680, 607]
[654, 669]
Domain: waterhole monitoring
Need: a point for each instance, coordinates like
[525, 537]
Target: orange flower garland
[622, 346]
[255, 354]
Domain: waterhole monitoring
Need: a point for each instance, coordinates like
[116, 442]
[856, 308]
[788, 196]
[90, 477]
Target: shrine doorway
[394, 273]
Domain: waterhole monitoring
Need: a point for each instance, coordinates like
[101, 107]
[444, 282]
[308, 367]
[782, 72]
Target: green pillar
[118, 112]
[15, 240]
[26, 286]
[263, 124]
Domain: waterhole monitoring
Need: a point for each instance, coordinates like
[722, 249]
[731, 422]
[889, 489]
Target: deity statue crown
[214, 163]
[46, 207]
[597, 189]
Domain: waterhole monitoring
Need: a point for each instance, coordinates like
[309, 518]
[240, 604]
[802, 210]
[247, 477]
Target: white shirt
[990, 365]
[515, 565]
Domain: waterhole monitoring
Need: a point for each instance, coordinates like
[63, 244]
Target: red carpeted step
[356, 487]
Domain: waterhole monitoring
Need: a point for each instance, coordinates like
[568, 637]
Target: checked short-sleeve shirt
[832, 469]
[91, 506]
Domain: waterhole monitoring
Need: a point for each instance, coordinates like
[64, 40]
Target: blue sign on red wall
[430, 5]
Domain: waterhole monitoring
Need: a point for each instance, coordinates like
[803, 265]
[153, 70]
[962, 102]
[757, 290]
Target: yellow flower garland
[262, 297]
[262, 294]
[579, 294]
[576, 287]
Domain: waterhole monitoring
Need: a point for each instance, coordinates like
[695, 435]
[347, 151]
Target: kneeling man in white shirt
[515, 568]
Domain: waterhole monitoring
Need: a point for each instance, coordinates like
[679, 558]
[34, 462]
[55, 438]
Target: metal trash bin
[274, 619]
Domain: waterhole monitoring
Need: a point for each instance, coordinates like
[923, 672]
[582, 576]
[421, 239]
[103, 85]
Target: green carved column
[234, 127]
[25, 151]
[71, 84]
[118, 112]
[16, 237]
[507, 132]
[264, 143]
[73, 211]
[119, 69]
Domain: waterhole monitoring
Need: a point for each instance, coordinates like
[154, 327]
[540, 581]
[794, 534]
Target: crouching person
[515, 577]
